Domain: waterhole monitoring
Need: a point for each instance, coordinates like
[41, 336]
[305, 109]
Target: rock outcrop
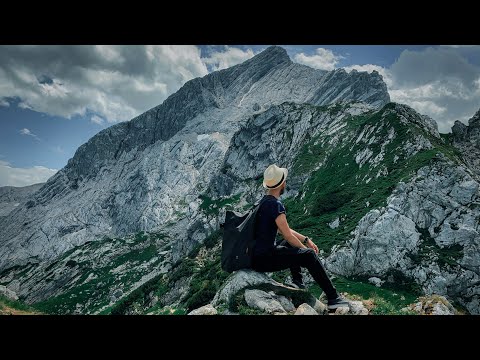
[429, 231]
[467, 140]
[204, 310]
[432, 305]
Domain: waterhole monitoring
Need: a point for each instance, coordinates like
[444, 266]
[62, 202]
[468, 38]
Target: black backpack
[239, 238]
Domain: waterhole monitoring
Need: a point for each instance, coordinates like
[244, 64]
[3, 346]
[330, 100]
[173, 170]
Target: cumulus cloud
[4, 103]
[439, 82]
[230, 56]
[323, 59]
[115, 82]
[11, 176]
[28, 132]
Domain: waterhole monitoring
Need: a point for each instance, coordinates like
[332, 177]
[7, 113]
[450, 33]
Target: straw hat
[274, 176]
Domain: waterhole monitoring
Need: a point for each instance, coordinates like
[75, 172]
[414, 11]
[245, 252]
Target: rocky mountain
[131, 224]
[13, 196]
[467, 140]
[143, 174]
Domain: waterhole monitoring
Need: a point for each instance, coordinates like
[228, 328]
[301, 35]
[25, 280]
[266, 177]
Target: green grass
[208, 279]
[211, 207]
[15, 304]
[96, 293]
[387, 300]
[204, 285]
[140, 296]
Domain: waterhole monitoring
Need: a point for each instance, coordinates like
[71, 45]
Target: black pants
[285, 256]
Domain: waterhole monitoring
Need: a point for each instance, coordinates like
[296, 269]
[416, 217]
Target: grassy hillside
[341, 188]
[11, 307]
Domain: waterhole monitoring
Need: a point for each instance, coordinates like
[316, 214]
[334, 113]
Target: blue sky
[54, 98]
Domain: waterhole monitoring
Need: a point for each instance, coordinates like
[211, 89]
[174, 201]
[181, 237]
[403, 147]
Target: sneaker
[298, 283]
[339, 301]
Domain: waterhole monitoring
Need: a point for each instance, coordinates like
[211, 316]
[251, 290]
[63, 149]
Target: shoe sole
[336, 306]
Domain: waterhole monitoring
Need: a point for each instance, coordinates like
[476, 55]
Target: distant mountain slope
[12, 196]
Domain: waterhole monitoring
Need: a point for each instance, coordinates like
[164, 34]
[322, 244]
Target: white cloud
[117, 82]
[11, 176]
[96, 119]
[439, 82]
[4, 103]
[323, 59]
[230, 56]
[27, 132]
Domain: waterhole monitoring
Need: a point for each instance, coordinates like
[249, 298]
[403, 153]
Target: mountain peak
[475, 120]
[273, 53]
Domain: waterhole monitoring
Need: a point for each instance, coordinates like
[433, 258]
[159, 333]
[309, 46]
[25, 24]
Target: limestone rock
[9, 294]
[342, 310]
[263, 301]
[433, 305]
[430, 214]
[305, 309]
[357, 308]
[320, 307]
[204, 310]
[376, 281]
[249, 279]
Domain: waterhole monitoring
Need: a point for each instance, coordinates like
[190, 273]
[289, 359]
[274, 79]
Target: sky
[53, 98]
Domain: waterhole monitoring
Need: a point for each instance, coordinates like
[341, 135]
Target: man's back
[265, 226]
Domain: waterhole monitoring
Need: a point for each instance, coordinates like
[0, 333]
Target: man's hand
[311, 245]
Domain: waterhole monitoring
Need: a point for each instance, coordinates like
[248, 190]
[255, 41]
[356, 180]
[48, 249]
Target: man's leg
[295, 270]
[282, 258]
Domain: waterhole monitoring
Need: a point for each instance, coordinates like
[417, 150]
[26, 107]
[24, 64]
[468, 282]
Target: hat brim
[285, 171]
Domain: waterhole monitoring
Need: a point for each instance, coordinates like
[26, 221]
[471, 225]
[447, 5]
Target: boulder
[376, 281]
[433, 305]
[249, 280]
[204, 310]
[305, 309]
[341, 310]
[357, 308]
[263, 301]
[320, 307]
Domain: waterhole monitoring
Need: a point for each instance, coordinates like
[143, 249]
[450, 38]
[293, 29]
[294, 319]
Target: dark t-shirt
[265, 225]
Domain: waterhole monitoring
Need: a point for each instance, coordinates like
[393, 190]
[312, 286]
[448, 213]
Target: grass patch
[205, 284]
[140, 296]
[211, 207]
[387, 301]
[15, 304]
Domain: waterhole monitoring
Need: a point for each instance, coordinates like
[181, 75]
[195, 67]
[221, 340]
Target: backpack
[239, 238]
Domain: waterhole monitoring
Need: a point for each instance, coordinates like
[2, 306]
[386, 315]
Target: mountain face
[12, 196]
[143, 174]
[467, 140]
[131, 224]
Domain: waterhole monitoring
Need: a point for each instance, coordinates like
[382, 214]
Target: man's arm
[300, 237]
[287, 233]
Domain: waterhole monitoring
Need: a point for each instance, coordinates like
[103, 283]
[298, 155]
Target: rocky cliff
[467, 140]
